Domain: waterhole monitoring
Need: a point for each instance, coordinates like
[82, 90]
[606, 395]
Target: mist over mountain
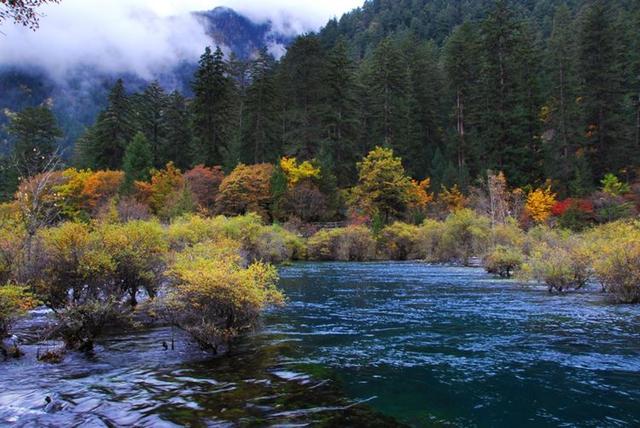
[76, 80]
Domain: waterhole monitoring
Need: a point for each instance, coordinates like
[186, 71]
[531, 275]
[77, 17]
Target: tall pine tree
[261, 125]
[212, 109]
[151, 112]
[340, 114]
[113, 131]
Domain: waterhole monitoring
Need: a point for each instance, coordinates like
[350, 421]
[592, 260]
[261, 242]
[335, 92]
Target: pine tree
[426, 107]
[300, 85]
[240, 73]
[138, 161]
[113, 130]
[562, 108]
[601, 62]
[151, 111]
[261, 142]
[178, 142]
[34, 132]
[388, 86]
[212, 109]
[508, 140]
[633, 77]
[463, 64]
[340, 114]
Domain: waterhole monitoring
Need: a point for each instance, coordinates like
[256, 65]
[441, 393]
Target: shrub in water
[617, 261]
[354, 243]
[562, 267]
[81, 324]
[215, 298]
[618, 269]
[399, 241]
[138, 249]
[429, 238]
[504, 261]
[465, 235]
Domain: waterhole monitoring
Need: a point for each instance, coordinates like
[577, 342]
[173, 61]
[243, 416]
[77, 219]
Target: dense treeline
[535, 89]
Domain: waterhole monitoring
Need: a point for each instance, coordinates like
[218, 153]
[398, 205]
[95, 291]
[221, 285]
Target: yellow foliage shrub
[214, 297]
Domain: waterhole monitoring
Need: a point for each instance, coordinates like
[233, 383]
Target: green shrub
[504, 261]
[277, 245]
[562, 267]
[429, 239]
[617, 261]
[399, 241]
[138, 250]
[354, 243]
[193, 229]
[73, 266]
[466, 234]
[508, 234]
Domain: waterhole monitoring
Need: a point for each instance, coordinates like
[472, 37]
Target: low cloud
[145, 37]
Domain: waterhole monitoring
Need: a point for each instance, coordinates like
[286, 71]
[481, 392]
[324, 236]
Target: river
[357, 345]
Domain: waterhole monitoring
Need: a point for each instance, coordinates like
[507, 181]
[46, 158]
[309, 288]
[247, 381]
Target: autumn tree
[246, 189]
[204, 183]
[383, 188]
[163, 184]
[540, 203]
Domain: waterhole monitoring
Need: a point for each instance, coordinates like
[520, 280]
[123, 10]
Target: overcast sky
[142, 36]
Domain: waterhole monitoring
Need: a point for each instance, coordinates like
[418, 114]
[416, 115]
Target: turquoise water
[453, 346]
[417, 344]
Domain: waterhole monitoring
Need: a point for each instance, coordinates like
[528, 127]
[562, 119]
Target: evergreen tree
[462, 65]
[601, 64]
[425, 103]
[138, 161]
[212, 109]
[178, 142]
[562, 109]
[113, 131]
[240, 73]
[151, 111]
[387, 83]
[300, 85]
[509, 120]
[634, 75]
[261, 124]
[34, 133]
[340, 115]
[8, 179]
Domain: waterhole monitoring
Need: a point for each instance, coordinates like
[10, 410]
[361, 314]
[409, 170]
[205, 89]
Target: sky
[142, 36]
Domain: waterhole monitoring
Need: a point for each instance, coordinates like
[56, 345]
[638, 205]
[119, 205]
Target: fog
[144, 37]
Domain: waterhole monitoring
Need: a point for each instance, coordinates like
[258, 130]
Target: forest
[539, 94]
